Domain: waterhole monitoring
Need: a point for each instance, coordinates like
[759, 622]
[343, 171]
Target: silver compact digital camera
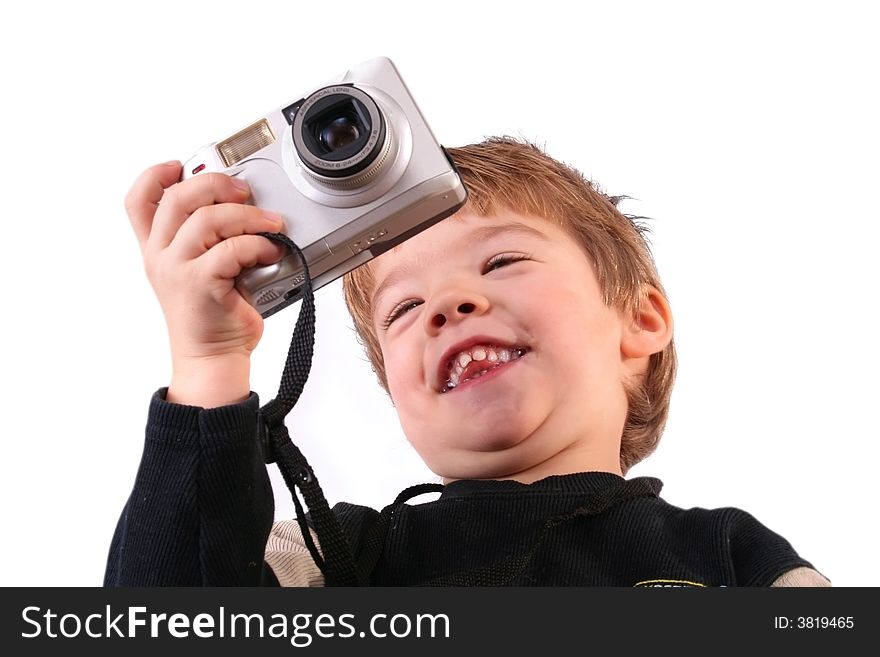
[353, 168]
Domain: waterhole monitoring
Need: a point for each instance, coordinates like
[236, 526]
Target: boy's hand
[196, 236]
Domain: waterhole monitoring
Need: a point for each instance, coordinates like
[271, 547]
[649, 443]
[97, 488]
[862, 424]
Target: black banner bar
[407, 621]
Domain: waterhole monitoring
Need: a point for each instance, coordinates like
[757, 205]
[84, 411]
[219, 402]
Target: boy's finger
[212, 224]
[231, 256]
[188, 196]
[143, 198]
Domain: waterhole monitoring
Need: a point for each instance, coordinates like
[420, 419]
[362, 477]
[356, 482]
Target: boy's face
[501, 357]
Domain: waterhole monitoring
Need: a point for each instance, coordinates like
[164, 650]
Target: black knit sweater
[202, 508]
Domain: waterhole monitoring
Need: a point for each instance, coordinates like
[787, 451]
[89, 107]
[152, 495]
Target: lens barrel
[339, 132]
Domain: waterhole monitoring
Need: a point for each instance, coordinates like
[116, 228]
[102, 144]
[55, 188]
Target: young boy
[526, 344]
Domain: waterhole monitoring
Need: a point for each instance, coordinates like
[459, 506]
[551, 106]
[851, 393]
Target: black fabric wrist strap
[337, 563]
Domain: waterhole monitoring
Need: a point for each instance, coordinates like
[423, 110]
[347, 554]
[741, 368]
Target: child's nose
[439, 319]
[453, 306]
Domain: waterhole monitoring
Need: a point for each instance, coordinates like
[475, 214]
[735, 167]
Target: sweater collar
[578, 483]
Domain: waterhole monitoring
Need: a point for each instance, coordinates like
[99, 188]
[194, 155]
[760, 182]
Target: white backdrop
[749, 135]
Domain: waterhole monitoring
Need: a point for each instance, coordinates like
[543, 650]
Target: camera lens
[339, 133]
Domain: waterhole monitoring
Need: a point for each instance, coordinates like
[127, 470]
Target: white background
[747, 131]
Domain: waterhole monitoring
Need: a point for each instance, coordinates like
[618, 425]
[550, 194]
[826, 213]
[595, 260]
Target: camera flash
[245, 142]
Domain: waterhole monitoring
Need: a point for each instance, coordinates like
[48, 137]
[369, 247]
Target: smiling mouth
[478, 361]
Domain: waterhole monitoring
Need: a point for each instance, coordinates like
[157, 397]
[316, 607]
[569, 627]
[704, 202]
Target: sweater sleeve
[760, 556]
[202, 507]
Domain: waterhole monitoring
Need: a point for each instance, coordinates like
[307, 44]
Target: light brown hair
[503, 173]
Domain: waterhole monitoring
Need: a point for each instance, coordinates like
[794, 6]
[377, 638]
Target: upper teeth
[461, 360]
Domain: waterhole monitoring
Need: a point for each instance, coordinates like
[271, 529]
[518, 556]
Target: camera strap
[337, 563]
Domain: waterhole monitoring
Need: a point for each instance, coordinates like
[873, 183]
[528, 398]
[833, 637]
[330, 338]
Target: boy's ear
[651, 328]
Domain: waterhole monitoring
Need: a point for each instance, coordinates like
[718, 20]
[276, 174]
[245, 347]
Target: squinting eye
[400, 310]
[502, 259]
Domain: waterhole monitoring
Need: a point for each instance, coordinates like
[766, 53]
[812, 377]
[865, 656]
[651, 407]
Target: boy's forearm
[202, 505]
[210, 382]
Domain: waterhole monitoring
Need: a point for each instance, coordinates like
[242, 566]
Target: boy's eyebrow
[481, 234]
